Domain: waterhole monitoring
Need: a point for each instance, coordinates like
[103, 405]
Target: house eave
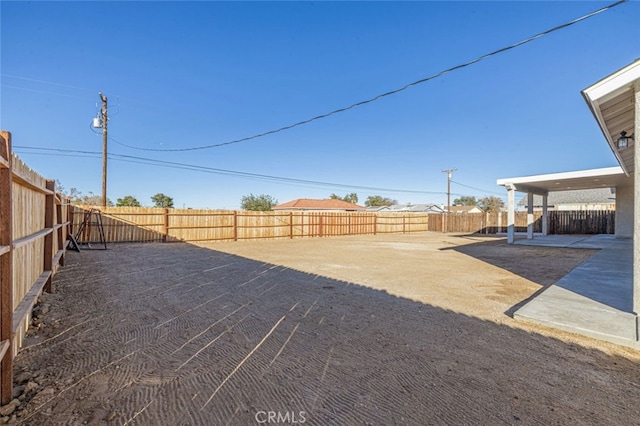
[619, 89]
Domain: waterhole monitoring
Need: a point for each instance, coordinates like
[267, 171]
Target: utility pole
[449, 172]
[104, 149]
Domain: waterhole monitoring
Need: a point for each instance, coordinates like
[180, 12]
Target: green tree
[127, 201]
[163, 201]
[349, 198]
[491, 204]
[465, 200]
[258, 203]
[379, 201]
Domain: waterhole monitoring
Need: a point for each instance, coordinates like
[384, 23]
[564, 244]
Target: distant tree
[60, 188]
[258, 203]
[90, 199]
[127, 201]
[78, 198]
[465, 200]
[163, 201]
[491, 204]
[379, 201]
[349, 198]
[73, 194]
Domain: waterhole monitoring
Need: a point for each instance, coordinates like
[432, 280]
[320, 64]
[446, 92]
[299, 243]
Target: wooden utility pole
[445, 225]
[104, 149]
[449, 172]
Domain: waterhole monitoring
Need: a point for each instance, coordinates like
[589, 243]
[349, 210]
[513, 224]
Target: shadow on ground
[157, 334]
[541, 265]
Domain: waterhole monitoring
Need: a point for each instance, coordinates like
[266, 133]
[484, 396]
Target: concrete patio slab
[595, 299]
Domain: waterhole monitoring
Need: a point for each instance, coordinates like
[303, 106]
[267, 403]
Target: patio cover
[615, 103]
[609, 177]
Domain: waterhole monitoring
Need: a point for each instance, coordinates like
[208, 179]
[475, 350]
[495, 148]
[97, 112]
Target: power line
[391, 92]
[17, 77]
[45, 92]
[477, 189]
[247, 175]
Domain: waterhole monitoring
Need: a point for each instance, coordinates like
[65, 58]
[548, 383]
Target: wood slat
[24, 180]
[29, 300]
[4, 347]
[29, 238]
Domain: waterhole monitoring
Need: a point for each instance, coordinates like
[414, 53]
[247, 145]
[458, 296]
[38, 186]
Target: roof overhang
[612, 102]
[609, 177]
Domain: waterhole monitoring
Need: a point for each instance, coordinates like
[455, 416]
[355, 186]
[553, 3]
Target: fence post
[61, 237]
[6, 269]
[291, 225]
[235, 225]
[48, 224]
[71, 210]
[165, 224]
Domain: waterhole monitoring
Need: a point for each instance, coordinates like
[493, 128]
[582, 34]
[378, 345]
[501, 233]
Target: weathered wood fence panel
[401, 223]
[582, 222]
[137, 224]
[33, 233]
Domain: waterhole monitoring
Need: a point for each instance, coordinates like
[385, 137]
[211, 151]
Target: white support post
[511, 214]
[636, 209]
[529, 215]
[545, 214]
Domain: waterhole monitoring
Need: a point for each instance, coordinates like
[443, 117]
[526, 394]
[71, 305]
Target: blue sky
[188, 74]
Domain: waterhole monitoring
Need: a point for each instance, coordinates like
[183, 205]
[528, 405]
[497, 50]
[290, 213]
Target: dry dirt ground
[368, 330]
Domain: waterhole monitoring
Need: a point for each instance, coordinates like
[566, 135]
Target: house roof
[612, 102]
[313, 204]
[462, 209]
[408, 208]
[584, 196]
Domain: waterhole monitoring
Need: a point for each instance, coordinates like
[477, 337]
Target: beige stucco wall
[624, 211]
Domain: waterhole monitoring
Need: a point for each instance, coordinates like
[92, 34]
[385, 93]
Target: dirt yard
[369, 330]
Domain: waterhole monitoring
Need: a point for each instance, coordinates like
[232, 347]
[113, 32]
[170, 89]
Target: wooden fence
[582, 222]
[33, 234]
[138, 224]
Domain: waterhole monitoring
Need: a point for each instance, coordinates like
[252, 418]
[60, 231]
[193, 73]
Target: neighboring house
[408, 208]
[585, 199]
[464, 209]
[308, 204]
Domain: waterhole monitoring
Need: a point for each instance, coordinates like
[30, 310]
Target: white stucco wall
[624, 211]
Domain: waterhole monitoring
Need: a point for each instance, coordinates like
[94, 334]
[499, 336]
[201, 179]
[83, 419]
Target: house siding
[624, 211]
